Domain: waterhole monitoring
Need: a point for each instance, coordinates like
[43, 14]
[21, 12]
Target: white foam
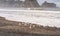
[37, 20]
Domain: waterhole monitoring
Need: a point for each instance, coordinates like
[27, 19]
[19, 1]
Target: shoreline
[8, 26]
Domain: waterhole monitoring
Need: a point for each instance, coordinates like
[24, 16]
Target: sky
[57, 2]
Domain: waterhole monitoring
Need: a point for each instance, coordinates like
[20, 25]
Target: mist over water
[45, 18]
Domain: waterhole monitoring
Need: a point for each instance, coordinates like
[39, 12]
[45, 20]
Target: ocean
[40, 17]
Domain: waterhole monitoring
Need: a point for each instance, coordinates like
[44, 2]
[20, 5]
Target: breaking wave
[45, 18]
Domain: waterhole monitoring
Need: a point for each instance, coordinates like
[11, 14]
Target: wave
[40, 18]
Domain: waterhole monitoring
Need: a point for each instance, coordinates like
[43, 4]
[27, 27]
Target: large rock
[31, 3]
[47, 4]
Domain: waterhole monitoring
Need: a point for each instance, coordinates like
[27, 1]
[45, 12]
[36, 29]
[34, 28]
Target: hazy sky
[50, 1]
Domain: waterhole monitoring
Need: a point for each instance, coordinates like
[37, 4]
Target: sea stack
[31, 3]
[47, 4]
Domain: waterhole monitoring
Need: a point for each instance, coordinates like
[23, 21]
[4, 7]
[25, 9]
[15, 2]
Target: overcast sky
[50, 1]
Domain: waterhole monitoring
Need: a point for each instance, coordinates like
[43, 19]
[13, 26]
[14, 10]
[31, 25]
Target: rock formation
[46, 4]
[31, 3]
[26, 3]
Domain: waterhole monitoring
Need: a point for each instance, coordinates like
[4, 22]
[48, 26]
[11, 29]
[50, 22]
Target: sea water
[40, 17]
